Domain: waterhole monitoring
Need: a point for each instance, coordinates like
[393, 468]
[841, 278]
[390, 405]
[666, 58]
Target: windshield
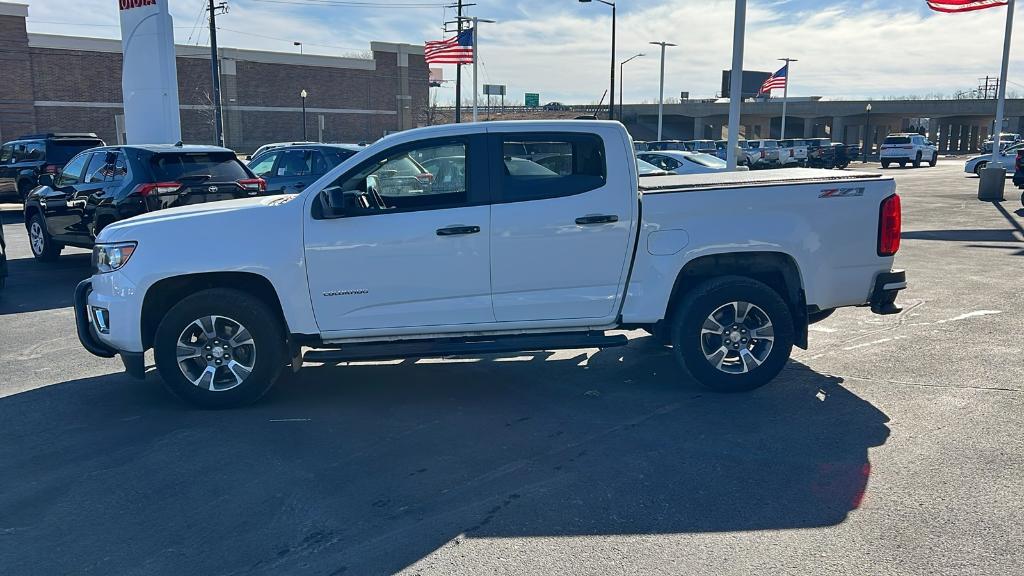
[707, 160]
[213, 166]
[648, 169]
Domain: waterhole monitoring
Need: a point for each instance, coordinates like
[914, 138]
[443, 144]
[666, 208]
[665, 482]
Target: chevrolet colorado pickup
[489, 238]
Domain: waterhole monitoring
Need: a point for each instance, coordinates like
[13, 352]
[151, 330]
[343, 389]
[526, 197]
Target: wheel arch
[776, 269]
[163, 294]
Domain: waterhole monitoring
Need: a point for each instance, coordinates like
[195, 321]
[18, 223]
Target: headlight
[110, 257]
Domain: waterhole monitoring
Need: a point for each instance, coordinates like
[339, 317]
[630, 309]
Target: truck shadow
[367, 469]
[33, 286]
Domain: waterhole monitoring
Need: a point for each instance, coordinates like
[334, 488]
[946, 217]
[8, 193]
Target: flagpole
[736, 82]
[785, 95]
[997, 131]
[476, 57]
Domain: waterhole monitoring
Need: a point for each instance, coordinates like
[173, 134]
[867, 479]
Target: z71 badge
[841, 192]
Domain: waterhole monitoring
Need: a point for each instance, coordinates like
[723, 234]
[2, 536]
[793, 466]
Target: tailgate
[190, 193]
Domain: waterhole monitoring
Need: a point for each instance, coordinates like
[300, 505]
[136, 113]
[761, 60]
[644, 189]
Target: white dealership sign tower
[149, 79]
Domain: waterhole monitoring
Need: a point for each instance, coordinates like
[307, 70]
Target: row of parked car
[765, 153]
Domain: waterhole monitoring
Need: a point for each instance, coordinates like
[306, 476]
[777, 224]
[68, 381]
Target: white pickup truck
[490, 238]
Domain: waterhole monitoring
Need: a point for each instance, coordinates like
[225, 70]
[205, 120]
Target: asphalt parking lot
[892, 446]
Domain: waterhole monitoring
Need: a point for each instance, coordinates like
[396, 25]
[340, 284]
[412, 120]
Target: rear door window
[106, 166]
[198, 166]
[543, 165]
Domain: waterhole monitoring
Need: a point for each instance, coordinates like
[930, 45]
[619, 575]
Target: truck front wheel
[732, 334]
[219, 348]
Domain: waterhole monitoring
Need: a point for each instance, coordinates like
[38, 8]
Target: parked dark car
[832, 155]
[24, 159]
[104, 185]
[290, 168]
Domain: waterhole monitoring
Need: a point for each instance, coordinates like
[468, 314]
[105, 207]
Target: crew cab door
[56, 201]
[562, 224]
[410, 248]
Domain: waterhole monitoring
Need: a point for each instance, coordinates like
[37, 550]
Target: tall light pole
[867, 132]
[736, 82]
[476, 58]
[621, 64]
[997, 133]
[611, 88]
[218, 116]
[661, 88]
[303, 95]
[785, 93]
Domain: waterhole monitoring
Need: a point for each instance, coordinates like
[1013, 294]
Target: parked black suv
[290, 168]
[104, 185]
[24, 159]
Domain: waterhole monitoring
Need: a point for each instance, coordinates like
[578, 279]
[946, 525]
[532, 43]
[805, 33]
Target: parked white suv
[490, 237]
[906, 149]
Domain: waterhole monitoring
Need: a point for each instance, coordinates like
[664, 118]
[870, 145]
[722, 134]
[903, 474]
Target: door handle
[597, 219]
[457, 230]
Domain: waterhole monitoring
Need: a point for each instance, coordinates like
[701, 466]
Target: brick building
[58, 83]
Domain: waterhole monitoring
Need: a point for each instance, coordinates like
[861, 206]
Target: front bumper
[887, 287]
[134, 362]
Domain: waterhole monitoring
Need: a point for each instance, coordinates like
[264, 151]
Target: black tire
[705, 299]
[934, 160]
[903, 164]
[268, 348]
[885, 164]
[815, 317]
[977, 169]
[44, 248]
[917, 160]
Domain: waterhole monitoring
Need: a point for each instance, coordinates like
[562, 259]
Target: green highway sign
[532, 99]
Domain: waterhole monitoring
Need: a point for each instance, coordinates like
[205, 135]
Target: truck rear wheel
[219, 348]
[732, 334]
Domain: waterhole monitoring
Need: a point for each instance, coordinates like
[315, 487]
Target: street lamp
[661, 89]
[611, 87]
[303, 95]
[299, 44]
[621, 64]
[867, 132]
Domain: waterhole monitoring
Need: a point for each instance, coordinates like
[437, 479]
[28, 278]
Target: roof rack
[59, 135]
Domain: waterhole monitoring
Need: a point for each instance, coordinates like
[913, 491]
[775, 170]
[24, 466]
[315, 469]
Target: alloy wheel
[35, 234]
[216, 353]
[737, 337]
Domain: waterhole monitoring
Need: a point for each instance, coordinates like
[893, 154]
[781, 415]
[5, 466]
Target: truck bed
[747, 179]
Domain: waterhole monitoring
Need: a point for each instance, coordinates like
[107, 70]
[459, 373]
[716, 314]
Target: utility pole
[785, 93]
[218, 116]
[736, 81]
[661, 84]
[459, 20]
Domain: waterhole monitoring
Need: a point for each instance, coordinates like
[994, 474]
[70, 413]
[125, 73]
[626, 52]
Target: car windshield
[60, 151]
[707, 160]
[214, 166]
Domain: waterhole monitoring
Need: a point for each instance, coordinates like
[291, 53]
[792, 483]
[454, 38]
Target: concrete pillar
[808, 127]
[965, 136]
[838, 133]
[933, 129]
[698, 128]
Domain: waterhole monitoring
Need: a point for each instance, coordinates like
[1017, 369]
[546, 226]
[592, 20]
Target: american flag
[455, 50]
[777, 80]
[963, 5]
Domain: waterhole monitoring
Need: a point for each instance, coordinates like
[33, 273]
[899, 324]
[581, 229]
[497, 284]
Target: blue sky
[560, 48]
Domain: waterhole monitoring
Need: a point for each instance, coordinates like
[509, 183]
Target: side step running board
[471, 347]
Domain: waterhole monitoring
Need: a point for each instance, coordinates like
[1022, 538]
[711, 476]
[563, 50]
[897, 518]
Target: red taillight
[425, 178]
[156, 188]
[51, 168]
[253, 184]
[762, 153]
[890, 224]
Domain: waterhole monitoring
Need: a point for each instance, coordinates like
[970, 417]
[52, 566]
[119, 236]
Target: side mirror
[46, 180]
